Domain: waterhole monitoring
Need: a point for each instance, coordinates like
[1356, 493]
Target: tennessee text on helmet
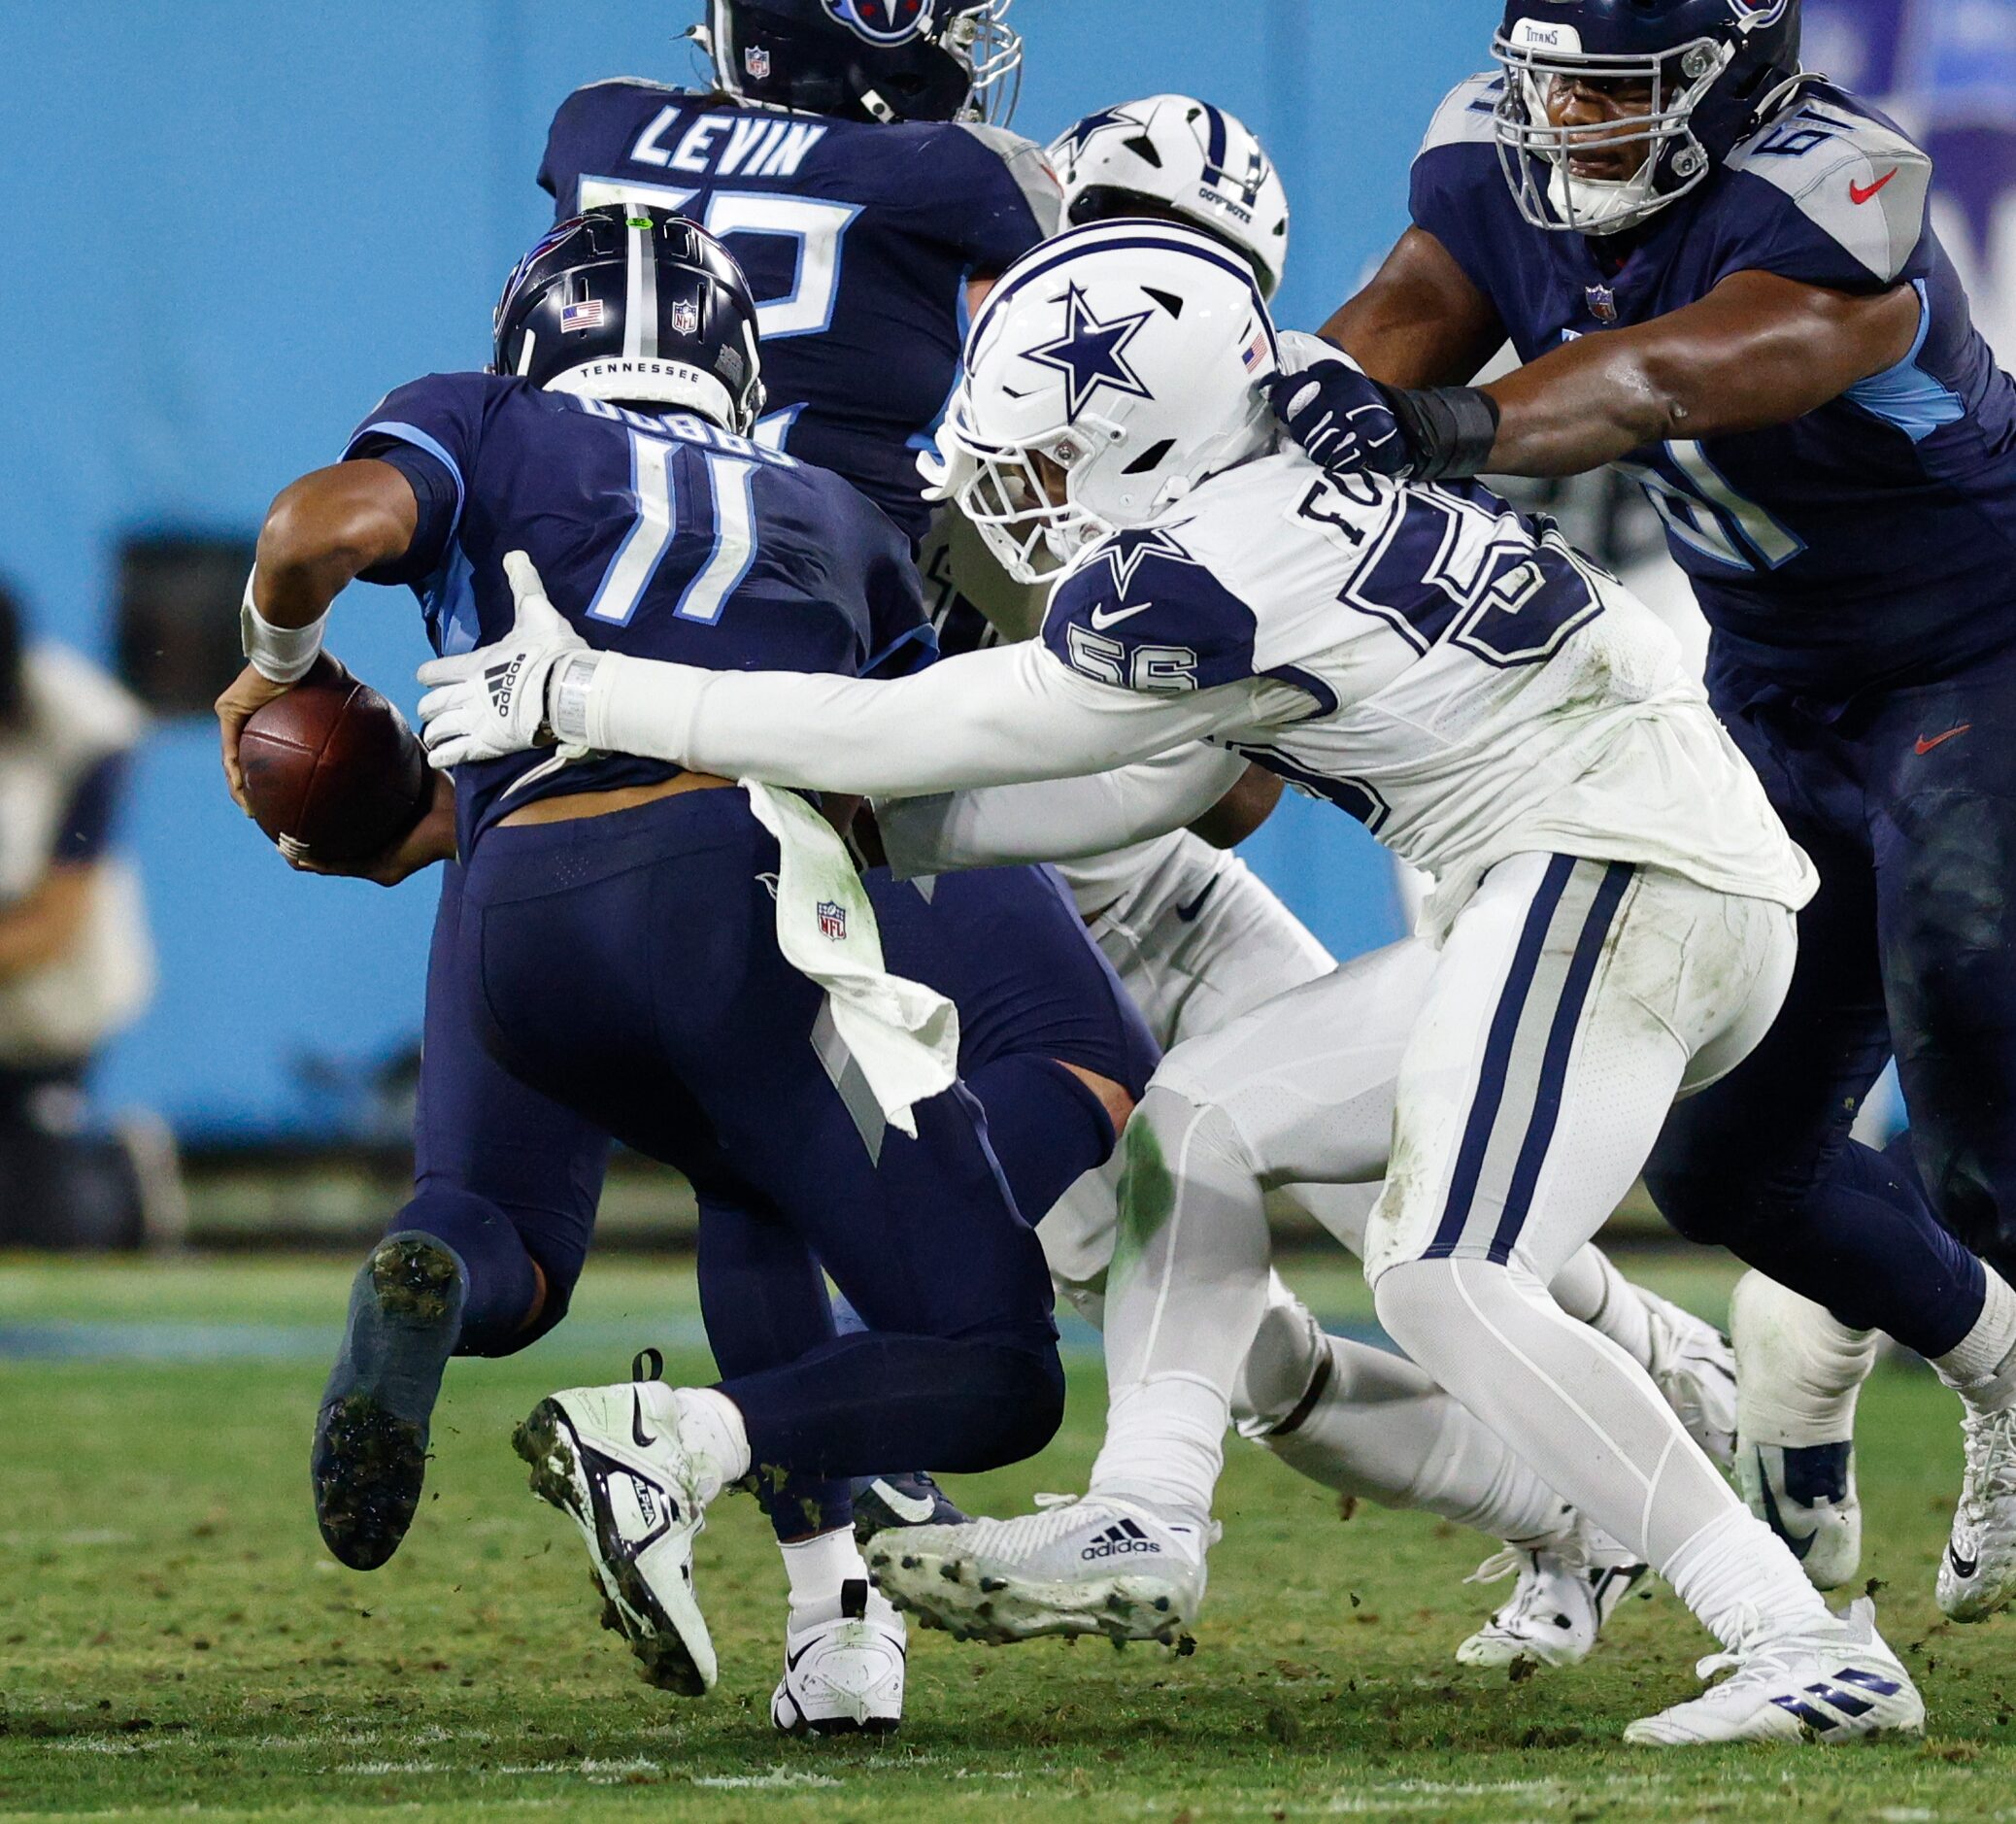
[1175, 156]
[1709, 70]
[635, 305]
[1122, 358]
[882, 60]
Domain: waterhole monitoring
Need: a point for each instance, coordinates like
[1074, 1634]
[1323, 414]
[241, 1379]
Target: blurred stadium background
[248, 222]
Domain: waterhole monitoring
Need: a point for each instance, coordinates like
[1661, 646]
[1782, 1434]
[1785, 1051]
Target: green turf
[172, 1637]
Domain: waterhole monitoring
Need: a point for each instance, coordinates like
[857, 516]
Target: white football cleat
[1979, 1574]
[1832, 1685]
[1806, 1495]
[843, 1666]
[1565, 1595]
[611, 1458]
[1695, 1367]
[1090, 1566]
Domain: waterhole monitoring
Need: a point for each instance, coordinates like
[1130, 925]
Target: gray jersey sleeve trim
[1030, 166]
[1467, 115]
[1866, 189]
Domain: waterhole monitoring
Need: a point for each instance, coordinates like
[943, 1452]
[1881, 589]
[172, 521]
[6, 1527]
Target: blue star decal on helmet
[1106, 121]
[1092, 355]
[1126, 552]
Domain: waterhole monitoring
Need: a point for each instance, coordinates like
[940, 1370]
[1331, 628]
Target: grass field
[174, 1640]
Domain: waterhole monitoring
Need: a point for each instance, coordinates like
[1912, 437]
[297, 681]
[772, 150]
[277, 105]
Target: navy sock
[502, 1281]
[1046, 1126]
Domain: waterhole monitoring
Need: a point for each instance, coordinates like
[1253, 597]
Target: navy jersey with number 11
[662, 536]
[858, 239]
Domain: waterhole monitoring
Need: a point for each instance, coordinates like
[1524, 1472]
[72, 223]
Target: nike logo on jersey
[1189, 913]
[1925, 747]
[1859, 193]
[1104, 618]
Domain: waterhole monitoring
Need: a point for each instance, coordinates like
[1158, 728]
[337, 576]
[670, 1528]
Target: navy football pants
[1906, 800]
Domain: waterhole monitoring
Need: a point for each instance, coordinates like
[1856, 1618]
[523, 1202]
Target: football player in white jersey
[1614, 906]
[1197, 940]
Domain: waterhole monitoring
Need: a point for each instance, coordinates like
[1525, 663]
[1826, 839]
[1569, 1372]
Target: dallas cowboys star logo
[1106, 121]
[1126, 552]
[1092, 355]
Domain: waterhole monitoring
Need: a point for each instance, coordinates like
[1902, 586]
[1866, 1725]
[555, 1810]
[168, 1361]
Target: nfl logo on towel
[1603, 303]
[832, 920]
[583, 316]
[686, 318]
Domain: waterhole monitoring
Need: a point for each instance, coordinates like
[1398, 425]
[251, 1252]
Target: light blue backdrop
[235, 225]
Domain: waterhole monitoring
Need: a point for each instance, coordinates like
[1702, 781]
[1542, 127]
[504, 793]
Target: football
[334, 775]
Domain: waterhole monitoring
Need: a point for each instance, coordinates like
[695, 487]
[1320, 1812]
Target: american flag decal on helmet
[588, 314]
[832, 920]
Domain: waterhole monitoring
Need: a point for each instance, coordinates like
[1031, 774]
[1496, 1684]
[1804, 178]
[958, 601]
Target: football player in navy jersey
[846, 157]
[608, 962]
[1720, 274]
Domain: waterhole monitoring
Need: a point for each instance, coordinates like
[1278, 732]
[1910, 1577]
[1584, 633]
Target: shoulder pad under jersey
[1850, 174]
[1468, 113]
[1030, 166]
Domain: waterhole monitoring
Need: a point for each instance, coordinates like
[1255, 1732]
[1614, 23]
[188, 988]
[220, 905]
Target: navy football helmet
[883, 60]
[636, 306]
[1710, 70]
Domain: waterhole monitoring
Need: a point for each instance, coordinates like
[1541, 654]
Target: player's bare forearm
[1757, 351]
[1242, 810]
[43, 927]
[324, 531]
[1419, 322]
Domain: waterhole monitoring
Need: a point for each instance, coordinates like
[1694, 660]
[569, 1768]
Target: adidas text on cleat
[1558, 1608]
[1832, 1685]
[1094, 1566]
[883, 1502]
[843, 1666]
[1977, 1575]
[369, 1459]
[1695, 1367]
[1805, 1494]
[612, 1459]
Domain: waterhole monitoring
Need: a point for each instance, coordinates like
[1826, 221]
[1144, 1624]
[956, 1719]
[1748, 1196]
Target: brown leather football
[332, 770]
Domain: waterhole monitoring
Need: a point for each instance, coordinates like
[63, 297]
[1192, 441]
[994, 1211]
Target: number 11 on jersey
[719, 503]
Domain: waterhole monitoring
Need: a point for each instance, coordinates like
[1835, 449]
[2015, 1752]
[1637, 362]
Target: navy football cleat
[370, 1454]
[883, 1504]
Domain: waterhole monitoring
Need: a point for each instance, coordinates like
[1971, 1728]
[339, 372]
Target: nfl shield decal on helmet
[832, 920]
[755, 63]
[1603, 303]
[686, 318]
[883, 21]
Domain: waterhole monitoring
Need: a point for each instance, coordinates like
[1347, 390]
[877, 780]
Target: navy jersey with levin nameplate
[859, 242]
[663, 537]
[1874, 537]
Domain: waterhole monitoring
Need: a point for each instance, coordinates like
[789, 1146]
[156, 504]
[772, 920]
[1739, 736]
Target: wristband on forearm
[278, 655]
[1451, 430]
[567, 699]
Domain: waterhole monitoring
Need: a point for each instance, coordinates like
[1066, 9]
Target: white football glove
[491, 702]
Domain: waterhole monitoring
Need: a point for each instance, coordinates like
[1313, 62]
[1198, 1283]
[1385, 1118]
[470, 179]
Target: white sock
[1800, 1369]
[709, 1427]
[1734, 1568]
[1164, 1446]
[1590, 1290]
[1980, 1371]
[818, 1568]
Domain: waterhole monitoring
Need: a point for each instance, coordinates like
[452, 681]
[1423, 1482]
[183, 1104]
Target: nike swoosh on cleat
[914, 1508]
[1802, 1544]
[1962, 1568]
[1925, 747]
[638, 1435]
[1189, 913]
[790, 1660]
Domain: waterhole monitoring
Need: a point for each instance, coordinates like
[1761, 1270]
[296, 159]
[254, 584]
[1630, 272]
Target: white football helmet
[1115, 366]
[1187, 159]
